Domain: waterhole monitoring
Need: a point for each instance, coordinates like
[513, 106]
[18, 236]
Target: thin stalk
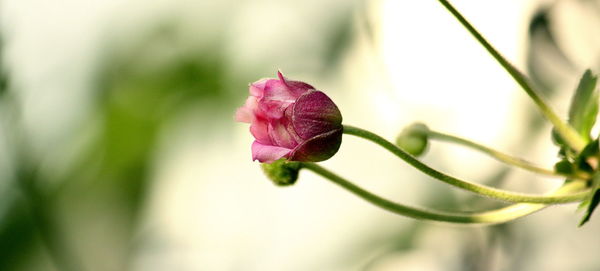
[496, 216]
[500, 156]
[571, 137]
[483, 190]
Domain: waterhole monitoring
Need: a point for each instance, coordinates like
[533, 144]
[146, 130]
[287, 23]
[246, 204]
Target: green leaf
[592, 201]
[591, 206]
[564, 167]
[584, 105]
[588, 154]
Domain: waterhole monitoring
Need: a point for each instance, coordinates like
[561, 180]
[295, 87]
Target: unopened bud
[282, 172]
[414, 139]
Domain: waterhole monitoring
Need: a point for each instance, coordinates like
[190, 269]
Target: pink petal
[276, 98]
[260, 130]
[257, 88]
[297, 88]
[281, 77]
[246, 113]
[273, 109]
[280, 135]
[290, 125]
[314, 113]
[318, 148]
[278, 91]
[268, 154]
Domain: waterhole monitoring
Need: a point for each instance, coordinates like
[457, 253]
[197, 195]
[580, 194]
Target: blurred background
[119, 150]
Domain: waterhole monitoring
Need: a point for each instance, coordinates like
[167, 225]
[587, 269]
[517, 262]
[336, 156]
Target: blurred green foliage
[89, 221]
[108, 183]
[88, 218]
[543, 46]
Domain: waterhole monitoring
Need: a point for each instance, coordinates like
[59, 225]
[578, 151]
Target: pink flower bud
[292, 120]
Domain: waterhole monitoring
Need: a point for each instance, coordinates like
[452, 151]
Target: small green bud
[564, 167]
[282, 172]
[414, 139]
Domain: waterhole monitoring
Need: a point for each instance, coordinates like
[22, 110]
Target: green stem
[508, 159]
[573, 139]
[496, 216]
[473, 187]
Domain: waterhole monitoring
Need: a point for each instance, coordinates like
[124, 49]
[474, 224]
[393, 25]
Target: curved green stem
[473, 187]
[508, 159]
[496, 216]
[573, 139]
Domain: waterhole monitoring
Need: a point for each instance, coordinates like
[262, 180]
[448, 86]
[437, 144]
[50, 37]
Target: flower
[292, 120]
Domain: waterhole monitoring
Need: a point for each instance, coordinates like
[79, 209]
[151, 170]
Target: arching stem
[498, 155]
[483, 190]
[571, 137]
[496, 216]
